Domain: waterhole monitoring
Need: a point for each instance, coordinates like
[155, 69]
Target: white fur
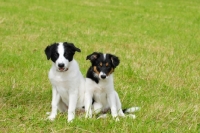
[67, 87]
[104, 55]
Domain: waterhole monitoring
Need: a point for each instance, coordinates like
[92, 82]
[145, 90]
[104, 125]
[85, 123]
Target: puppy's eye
[100, 64]
[107, 64]
[65, 54]
[56, 54]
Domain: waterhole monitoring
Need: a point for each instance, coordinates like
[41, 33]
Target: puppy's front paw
[114, 115]
[71, 116]
[102, 116]
[70, 119]
[51, 117]
[121, 114]
[88, 116]
[116, 119]
[48, 113]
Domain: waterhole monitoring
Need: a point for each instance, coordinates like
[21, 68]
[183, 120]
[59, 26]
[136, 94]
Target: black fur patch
[51, 51]
[90, 74]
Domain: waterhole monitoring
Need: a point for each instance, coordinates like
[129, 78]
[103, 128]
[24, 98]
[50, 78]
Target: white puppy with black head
[66, 79]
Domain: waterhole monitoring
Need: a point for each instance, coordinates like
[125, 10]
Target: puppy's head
[103, 64]
[61, 54]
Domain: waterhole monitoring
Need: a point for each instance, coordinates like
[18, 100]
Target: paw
[116, 119]
[70, 120]
[70, 117]
[48, 113]
[115, 116]
[51, 118]
[88, 116]
[121, 114]
[102, 116]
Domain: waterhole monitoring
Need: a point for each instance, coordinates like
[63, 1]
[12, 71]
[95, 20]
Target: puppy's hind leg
[119, 108]
[97, 107]
[62, 107]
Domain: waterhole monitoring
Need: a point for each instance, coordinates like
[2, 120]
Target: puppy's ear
[48, 52]
[71, 45]
[93, 56]
[115, 60]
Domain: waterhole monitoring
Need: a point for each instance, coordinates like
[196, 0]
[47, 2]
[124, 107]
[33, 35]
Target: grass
[158, 43]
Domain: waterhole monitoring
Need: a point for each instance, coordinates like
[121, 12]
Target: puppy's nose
[103, 76]
[61, 65]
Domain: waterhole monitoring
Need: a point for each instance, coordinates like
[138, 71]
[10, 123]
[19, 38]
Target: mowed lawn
[157, 41]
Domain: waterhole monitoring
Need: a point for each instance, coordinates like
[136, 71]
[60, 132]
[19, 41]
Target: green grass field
[157, 41]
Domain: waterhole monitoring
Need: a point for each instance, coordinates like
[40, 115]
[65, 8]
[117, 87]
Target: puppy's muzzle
[103, 76]
[61, 67]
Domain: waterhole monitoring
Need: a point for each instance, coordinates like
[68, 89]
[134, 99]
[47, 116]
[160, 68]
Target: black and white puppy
[100, 85]
[66, 79]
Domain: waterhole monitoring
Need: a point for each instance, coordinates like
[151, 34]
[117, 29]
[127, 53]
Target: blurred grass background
[156, 41]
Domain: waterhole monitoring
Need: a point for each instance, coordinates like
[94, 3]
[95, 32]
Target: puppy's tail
[131, 110]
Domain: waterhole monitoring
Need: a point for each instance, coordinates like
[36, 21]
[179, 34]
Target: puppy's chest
[102, 87]
[62, 87]
[56, 77]
[60, 84]
[64, 82]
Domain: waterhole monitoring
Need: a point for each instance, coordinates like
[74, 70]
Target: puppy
[66, 79]
[100, 87]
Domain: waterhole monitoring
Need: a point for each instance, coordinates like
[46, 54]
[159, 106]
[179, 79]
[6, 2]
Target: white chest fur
[70, 81]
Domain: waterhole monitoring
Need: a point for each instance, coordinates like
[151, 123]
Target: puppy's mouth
[62, 69]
